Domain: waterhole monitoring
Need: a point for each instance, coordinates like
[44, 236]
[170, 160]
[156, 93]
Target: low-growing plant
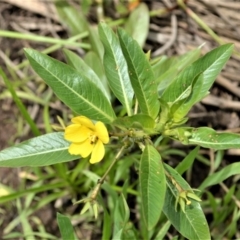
[121, 116]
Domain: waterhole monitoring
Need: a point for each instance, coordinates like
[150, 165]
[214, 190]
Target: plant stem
[174, 182]
[101, 181]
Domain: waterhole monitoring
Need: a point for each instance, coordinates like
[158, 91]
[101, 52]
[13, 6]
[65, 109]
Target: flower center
[93, 138]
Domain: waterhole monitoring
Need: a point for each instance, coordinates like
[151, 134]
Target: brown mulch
[174, 33]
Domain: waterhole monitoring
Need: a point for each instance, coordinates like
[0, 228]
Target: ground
[173, 33]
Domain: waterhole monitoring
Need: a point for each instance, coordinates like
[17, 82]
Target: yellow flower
[87, 138]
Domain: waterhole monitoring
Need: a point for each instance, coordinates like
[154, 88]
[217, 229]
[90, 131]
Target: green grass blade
[187, 162]
[25, 192]
[38, 38]
[66, 228]
[20, 105]
[218, 177]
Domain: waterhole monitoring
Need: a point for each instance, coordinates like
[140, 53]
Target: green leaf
[106, 186]
[71, 16]
[220, 176]
[163, 231]
[121, 219]
[209, 138]
[187, 162]
[123, 169]
[45, 150]
[141, 75]
[207, 66]
[140, 121]
[137, 24]
[191, 223]
[107, 224]
[116, 67]
[65, 227]
[90, 59]
[152, 185]
[26, 192]
[95, 42]
[182, 107]
[73, 88]
[118, 235]
[78, 63]
[121, 214]
[166, 69]
[181, 134]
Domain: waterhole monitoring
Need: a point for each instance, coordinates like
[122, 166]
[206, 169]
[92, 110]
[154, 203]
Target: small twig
[101, 181]
[221, 103]
[173, 36]
[228, 85]
[172, 39]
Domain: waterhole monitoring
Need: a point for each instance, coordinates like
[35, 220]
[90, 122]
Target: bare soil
[172, 34]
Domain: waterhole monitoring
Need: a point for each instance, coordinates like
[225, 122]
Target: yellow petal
[76, 133]
[74, 149]
[84, 121]
[102, 132]
[75, 120]
[98, 152]
[84, 149]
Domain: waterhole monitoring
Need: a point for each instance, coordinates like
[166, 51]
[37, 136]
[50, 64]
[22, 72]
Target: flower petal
[98, 152]
[102, 132]
[84, 121]
[84, 149]
[76, 133]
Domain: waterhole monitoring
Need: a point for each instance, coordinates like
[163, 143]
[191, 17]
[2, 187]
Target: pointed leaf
[187, 162]
[45, 150]
[90, 59]
[141, 75]
[73, 88]
[121, 214]
[209, 138]
[107, 224]
[152, 185]
[163, 231]
[65, 226]
[71, 17]
[220, 176]
[78, 63]
[168, 68]
[185, 105]
[209, 65]
[95, 42]
[116, 67]
[191, 223]
[137, 24]
[118, 235]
